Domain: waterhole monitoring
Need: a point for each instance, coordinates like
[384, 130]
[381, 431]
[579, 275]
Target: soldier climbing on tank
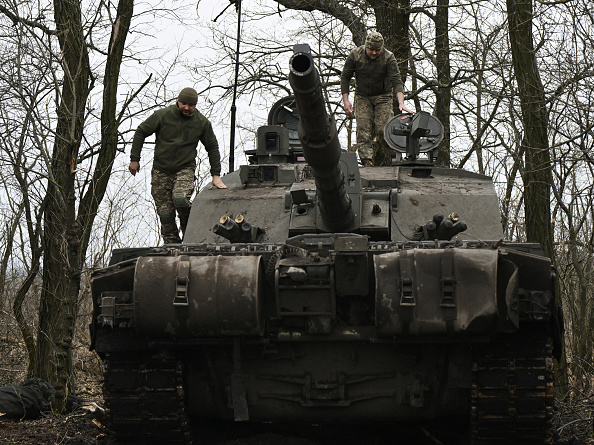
[377, 76]
[178, 130]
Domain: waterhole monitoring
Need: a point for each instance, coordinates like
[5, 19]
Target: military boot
[184, 215]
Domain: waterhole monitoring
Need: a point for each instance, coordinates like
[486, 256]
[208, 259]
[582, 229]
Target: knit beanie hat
[374, 40]
[188, 95]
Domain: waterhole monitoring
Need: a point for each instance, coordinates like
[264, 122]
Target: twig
[560, 429]
[434, 439]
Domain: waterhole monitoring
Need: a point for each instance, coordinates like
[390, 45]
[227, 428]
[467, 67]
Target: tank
[313, 290]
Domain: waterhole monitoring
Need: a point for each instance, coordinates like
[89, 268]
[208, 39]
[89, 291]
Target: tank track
[144, 396]
[512, 390]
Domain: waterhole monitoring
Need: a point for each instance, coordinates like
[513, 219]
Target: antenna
[233, 107]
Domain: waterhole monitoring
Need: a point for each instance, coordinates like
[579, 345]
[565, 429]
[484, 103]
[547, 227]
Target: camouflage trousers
[172, 194]
[372, 115]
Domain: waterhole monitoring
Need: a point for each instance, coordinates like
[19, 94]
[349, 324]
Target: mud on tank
[314, 290]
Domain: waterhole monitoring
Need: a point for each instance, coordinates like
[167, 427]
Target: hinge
[448, 284]
[182, 281]
[407, 297]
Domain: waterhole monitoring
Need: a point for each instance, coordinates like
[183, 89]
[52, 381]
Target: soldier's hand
[134, 167]
[404, 108]
[217, 182]
[348, 108]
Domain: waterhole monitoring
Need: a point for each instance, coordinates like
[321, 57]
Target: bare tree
[570, 81]
[535, 145]
[23, 148]
[66, 233]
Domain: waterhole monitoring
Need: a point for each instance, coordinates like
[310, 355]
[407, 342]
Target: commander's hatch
[278, 142]
[414, 139]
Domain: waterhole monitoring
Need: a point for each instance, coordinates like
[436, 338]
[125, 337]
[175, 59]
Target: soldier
[377, 75]
[178, 129]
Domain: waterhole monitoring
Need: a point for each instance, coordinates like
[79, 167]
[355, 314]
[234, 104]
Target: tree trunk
[537, 174]
[443, 96]
[62, 260]
[66, 236]
[392, 19]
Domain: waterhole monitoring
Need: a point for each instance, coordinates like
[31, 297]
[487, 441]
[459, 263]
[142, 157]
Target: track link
[145, 398]
[512, 390]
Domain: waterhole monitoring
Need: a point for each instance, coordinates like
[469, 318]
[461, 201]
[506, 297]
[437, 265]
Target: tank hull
[309, 347]
[332, 382]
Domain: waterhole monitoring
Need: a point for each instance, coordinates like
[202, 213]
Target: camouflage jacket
[177, 138]
[373, 77]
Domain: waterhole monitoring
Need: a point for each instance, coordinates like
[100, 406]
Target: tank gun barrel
[319, 140]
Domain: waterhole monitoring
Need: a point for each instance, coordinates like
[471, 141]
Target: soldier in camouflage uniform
[178, 130]
[377, 76]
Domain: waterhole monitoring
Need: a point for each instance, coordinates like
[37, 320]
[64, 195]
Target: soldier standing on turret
[178, 130]
[377, 76]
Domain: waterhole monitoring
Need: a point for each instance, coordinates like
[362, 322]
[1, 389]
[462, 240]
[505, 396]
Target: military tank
[313, 290]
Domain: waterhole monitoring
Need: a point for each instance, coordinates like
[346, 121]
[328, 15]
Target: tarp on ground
[27, 401]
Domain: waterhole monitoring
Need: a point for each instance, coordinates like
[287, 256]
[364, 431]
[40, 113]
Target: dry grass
[14, 358]
[573, 421]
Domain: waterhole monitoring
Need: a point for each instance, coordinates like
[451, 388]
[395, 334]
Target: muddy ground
[573, 426]
[84, 428]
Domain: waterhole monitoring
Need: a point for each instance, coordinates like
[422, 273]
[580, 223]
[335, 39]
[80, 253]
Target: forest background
[511, 80]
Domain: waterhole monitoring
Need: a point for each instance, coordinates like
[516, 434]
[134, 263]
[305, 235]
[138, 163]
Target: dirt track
[85, 428]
